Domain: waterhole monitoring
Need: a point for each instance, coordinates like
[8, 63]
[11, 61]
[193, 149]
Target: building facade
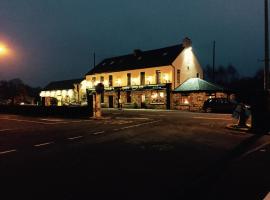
[144, 79]
[61, 93]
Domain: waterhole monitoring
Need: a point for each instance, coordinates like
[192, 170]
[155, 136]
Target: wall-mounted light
[42, 93]
[118, 82]
[149, 79]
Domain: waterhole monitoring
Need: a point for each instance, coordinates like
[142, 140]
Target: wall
[189, 66]
[193, 101]
[120, 78]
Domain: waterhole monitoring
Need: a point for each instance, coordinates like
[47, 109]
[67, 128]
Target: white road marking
[137, 125]
[31, 121]
[267, 197]
[43, 144]
[213, 118]
[96, 133]
[134, 118]
[7, 129]
[52, 120]
[8, 151]
[255, 149]
[74, 138]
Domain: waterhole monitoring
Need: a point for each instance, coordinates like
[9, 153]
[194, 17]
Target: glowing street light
[3, 49]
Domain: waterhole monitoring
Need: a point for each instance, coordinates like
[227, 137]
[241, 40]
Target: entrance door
[110, 101]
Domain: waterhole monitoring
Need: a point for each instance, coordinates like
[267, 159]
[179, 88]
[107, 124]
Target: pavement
[132, 154]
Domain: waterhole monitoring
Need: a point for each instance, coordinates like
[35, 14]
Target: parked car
[221, 105]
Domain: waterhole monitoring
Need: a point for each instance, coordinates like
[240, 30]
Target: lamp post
[266, 58]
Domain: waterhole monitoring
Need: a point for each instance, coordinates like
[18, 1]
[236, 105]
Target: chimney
[187, 42]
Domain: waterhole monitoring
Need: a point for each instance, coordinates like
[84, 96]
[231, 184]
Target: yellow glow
[118, 82]
[149, 79]
[58, 92]
[3, 49]
[161, 94]
[42, 94]
[85, 84]
[70, 93]
[106, 83]
[52, 94]
[134, 81]
[166, 78]
[64, 93]
[188, 56]
[186, 101]
[47, 94]
[154, 95]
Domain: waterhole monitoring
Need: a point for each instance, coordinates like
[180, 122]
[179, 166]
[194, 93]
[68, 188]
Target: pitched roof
[197, 84]
[138, 60]
[62, 85]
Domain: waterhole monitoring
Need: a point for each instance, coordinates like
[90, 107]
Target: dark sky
[55, 39]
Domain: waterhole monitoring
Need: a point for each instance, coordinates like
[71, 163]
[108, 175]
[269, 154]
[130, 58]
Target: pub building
[144, 79]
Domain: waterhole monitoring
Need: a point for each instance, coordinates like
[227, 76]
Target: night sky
[55, 39]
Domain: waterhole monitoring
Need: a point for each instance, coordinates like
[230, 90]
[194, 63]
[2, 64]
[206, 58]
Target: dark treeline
[229, 78]
[15, 92]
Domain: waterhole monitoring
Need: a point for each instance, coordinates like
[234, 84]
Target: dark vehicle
[221, 105]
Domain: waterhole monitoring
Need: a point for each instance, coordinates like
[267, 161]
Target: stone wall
[193, 101]
[152, 99]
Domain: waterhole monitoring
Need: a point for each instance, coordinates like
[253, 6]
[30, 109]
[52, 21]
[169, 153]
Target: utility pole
[266, 58]
[214, 60]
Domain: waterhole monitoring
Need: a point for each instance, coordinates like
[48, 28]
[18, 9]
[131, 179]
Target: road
[132, 154]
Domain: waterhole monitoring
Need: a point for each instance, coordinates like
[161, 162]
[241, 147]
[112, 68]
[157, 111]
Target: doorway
[111, 101]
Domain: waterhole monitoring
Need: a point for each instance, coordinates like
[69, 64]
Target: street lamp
[3, 49]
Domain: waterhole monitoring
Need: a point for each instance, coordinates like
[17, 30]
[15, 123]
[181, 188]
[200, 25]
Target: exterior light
[134, 81]
[166, 78]
[149, 79]
[52, 94]
[106, 83]
[154, 95]
[186, 101]
[64, 93]
[70, 93]
[47, 94]
[118, 82]
[161, 94]
[42, 94]
[58, 92]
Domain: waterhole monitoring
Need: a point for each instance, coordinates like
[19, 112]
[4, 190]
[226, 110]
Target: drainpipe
[173, 75]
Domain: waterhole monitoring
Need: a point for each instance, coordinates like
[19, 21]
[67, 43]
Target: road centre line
[7, 129]
[43, 144]
[31, 121]
[214, 118]
[8, 151]
[74, 138]
[137, 125]
[96, 133]
[134, 118]
[255, 149]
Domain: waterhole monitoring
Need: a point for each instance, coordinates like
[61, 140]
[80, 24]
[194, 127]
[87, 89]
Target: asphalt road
[132, 154]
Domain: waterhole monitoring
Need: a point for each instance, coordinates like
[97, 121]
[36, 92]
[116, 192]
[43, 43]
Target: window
[128, 96]
[110, 80]
[93, 80]
[142, 81]
[128, 79]
[158, 76]
[178, 75]
[102, 79]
